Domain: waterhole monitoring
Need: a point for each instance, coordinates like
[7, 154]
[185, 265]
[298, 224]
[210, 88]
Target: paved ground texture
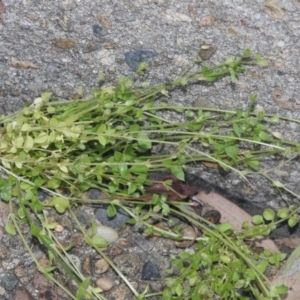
[62, 45]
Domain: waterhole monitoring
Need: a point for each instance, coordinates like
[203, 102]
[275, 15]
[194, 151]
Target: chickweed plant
[64, 148]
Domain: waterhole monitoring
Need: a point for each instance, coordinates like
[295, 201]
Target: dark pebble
[118, 220]
[94, 194]
[9, 281]
[150, 271]
[280, 73]
[99, 31]
[42, 196]
[134, 58]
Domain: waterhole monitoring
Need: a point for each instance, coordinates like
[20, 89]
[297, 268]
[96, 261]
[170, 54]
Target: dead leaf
[104, 21]
[274, 10]
[175, 16]
[209, 21]
[276, 95]
[23, 64]
[231, 213]
[291, 242]
[177, 191]
[63, 43]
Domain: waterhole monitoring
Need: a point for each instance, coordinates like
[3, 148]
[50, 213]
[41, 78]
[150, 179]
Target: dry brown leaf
[177, 191]
[276, 95]
[104, 21]
[63, 43]
[212, 165]
[175, 16]
[23, 64]
[231, 213]
[274, 10]
[209, 21]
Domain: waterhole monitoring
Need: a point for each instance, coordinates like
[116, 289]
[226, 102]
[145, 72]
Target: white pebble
[105, 283]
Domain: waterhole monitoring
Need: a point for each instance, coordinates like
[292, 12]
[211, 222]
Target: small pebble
[66, 4]
[105, 232]
[94, 194]
[58, 228]
[3, 252]
[86, 265]
[134, 58]
[99, 31]
[150, 271]
[128, 263]
[9, 281]
[105, 283]
[207, 51]
[101, 266]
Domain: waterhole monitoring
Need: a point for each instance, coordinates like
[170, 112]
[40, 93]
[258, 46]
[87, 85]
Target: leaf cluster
[64, 148]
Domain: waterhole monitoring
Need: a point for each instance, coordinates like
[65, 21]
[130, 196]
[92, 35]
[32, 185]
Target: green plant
[65, 148]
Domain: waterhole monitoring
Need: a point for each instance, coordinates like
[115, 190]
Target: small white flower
[37, 101]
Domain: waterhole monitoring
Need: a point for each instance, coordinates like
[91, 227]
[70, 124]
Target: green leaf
[25, 127]
[283, 213]
[132, 188]
[232, 151]
[144, 141]
[46, 96]
[257, 219]
[179, 289]
[53, 183]
[165, 209]
[10, 229]
[25, 186]
[278, 184]
[269, 214]
[264, 136]
[102, 139]
[275, 291]
[51, 109]
[225, 227]
[99, 242]
[35, 230]
[247, 53]
[253, 163]
[225, 259]
[113, 186]
[82, 289]
[21, 213]
[293, 221]
[253, 97]
[3, 183]
[111, 211]
[63, 168]
[178, 172]
[28, 143]
[260, 61]
[19, 141]
[41, 138]
[60, 203]
[5, 195]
